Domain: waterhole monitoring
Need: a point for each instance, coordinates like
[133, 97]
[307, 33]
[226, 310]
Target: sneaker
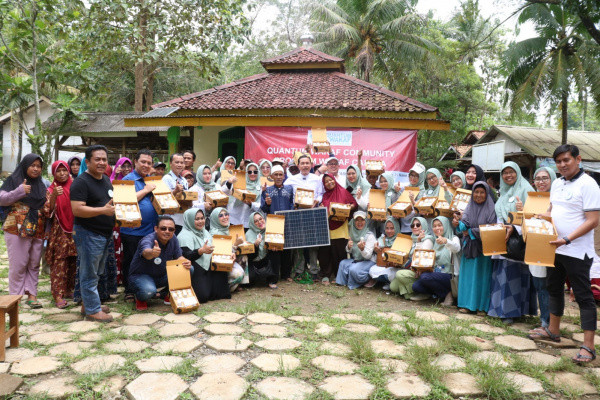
[167, 300]
[386, 287]
[141, 305]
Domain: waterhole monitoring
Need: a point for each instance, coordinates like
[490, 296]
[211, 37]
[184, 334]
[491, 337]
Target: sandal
[62, 304]
[33, 304]
[325, 281]
[273, 285]
[129, 298]
[584, 358]
[544, 334]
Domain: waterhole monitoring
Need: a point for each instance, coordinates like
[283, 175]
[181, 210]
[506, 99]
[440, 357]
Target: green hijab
[507, 202]
[433, 191]
[215, 226]
[425, 228]
[252, 235]
[356, 235]
[389, 241]
[462, 177]
[193, 239]
[389, 193]
[253, 186]
[422, 176]
[207, 187]
[260, 174]
[550, 172]
[359, 183]
[225, 160]
[443, 256]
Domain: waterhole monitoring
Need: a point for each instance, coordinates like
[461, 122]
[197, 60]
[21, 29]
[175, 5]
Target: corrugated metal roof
[103, 122]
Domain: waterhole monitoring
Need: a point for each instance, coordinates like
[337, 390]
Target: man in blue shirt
[177, 183]
[130, 237]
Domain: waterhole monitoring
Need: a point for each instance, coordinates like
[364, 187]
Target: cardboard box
[183, 298]
[163, 200]
[239, 188]
[398, 253]
[536, 203]
[222, 256]
[515, 218]
[217, 198]
[423, 260]
[377, 210]
[339, 211]
[275, 232]
[225, 175]
[375, 167]
[320, 142]
[403, 206]
[305, 198]
[493, 239]
[461, 199]
[267, 180]
[236, 231]
[187, 195]
[538, 250]
[380, 262]
[442, 207]
[127, 210]
[426, 206]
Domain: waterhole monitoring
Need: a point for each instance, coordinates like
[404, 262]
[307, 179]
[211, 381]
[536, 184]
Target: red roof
[302, 55]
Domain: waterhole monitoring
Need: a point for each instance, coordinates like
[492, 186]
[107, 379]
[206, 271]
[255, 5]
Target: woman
[447, 247]
[354, 271]
[122, 168]
[189, 177]
[74, 166]
[265, 172]
[380, 273]
[405, 277]
[331, 256]
[61, 254]
[358, 186]
[475, 268]
[228, 164]
[474, 174]
[458, 180]
[434, 183]
[219, 225]
[22, 196]
[196, 246]
[239, 210]
[262, 266]
[204, 183]
[512, 293]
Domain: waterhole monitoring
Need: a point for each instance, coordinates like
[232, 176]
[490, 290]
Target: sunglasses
[165, 228]
[223, 215]
[415, 226]
[253, 172]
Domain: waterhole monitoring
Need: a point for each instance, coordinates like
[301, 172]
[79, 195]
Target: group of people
[85, 249]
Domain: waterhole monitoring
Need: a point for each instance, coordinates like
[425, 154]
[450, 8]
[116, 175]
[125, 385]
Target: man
[130, 237]
[177, 183]
[91, 201]
[575, 211]
[148, 271]
[189, 158]
[332, 166]
[159, 168]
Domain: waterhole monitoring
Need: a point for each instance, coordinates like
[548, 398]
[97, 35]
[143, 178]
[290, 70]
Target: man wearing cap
[159, 168]
[332, 166]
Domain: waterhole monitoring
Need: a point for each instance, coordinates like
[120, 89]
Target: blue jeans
[543, 298]
[92, 250]
[353, 274]
[144, 286]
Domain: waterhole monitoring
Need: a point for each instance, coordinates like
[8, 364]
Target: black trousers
[578, 272]
[210, 285]
[130, 245]
[282, 261]
[331, 256]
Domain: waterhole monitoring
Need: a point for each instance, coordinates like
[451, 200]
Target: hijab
[193, 238]
[550, 172]
[253, 186]
[479, 176]
[422, 176]
[119, 163]
[509, 193]
[475, 215]
[83, 167]
[207, 187]
[63, 210]
[461, 175]
[389, 193]
[69, 161]
[443, 256]
[336, 195]
[359, 183]
[225, 160]
[433, 191]
[37, 197]
[252, 235]
[215, 226]
[424, 228]
[389, 241]
[260, 164]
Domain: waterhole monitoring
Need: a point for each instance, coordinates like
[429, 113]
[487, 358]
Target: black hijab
[479, 176]
[37, 197]
[475, 215]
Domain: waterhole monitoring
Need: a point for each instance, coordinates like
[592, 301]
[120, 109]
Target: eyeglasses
[223, 215]
[430, 178]
[165, 228]
[415, 226]
[253, 172]
[509, 172]
[542, 179]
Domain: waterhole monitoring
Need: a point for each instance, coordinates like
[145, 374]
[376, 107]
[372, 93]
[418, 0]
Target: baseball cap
[159, 164]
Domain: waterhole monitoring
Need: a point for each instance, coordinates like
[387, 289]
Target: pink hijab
[119, 176]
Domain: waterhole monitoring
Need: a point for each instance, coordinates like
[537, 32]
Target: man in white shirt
[177, 184]
[575, 211]
[332, 166]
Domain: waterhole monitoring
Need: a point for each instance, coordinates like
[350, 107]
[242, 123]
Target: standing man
[159, 169]
[177, 183]
[130, 237]
[189, 158]
[332, 166]
[91, 201]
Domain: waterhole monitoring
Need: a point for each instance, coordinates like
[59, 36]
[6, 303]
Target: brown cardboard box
[374, 167]
[460, 200]
[319, 140]
[238, 231]
[426, 206]
[493, 239]
[403, 206]
[305, 198]
[339, 211]
[423, 260]
[398, 253]
[275, 232]
[538, 250]
[239, 188]
[225, 175]
[222, 255]
[442, 207]
[267, 180]
[163, 200]
[127, 210]
[183, 298]
[187, 195]
[217, 198]
[377, 210]
[536, 203]
[380, 262]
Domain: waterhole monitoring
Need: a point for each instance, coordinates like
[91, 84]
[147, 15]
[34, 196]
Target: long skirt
[61, 257]
[512, 291]
[353, 274]
[474, 283]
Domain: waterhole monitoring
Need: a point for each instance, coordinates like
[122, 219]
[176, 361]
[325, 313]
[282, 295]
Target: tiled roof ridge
[279, 59]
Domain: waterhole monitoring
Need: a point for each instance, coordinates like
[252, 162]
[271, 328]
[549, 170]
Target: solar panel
[306, 228]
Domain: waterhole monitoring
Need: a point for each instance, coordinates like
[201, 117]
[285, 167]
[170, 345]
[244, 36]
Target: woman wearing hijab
[474, 174]
[228, 164]
[22, 197]
[74, 164]
[196, 246]
[219, 225]
[380, 273]
[331, 256]
[61, 254]
[239, 211]
[262, 266]
[475, 268]
[358, 187]
[512, 289]
[354, 271]
[204, 183]
[265, 172]
[122, 168]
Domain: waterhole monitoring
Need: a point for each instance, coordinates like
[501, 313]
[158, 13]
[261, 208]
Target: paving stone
[489, 329]
[4, 367]
[283, 388]
[361, 328]
[98, 364]
[156, 386]
[570, 327]
[71, 348]
[181, 345]
[48, 311]
[26, 318]
[83, 326]
[575, 383]
[55, 387]
[432, 316]
[525, 384]
[219, 386]
[349, 387]
[387, 348]
[347, 317]
[276, 362]
[131, 330]
[219, 363]
[579, 338]
[278, 344]
[111, 386]
[335, 364]
[223, 317]
[539, 359]
[223, 329]
[571, 312]
[302, 318]
[467, 317]
[424, 341]
[447, 362]
[66, 317]
[338, 349]
[569, 353]
[141, 319]
[595, 371]
[405, 385]
[399, 327]
[228, 343]
[482, 344]
[265, 318]
[491, 357]
[392, 365]
[116, 315]
[35, 366]
[183, 329]
[16, 354]
[461, 384]
[34, 329]
[90, 337]
[49, 338]
[269, 330]
[565, 343]
[181, 318]
[324, 329]
[391, 316]
[158, 363]
[9, 384]
[516, 342]
[126, 346]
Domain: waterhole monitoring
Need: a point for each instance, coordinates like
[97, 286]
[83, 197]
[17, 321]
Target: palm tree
[559, 60]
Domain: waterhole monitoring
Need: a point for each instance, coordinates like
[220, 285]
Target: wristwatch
[566, 239]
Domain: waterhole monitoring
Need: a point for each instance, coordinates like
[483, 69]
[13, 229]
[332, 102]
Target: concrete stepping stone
[16, 354]
[337, 349]
[181, 318]
[26, 318]
[71, 348]
[4, 367]
[35, 366]
[283, 388]
[490, 357]
[48, 311]
[56, 388]
[219, 363]
[391, 316]
[404, 386]
[302, 318]
[399, 327]
[575, 383]
[228, 343]
[516, 342]
[539, 359]
[223, 329]
[361, 328]
[158, 363]
[131, 330]
[156, 386]
[269, 330]
[98, 364]
[347, 317]
[223, 317]
[432, 316]
[424, 341]
[48, 338]
[126, 346]
[276, 362]
[461, 384]
[571, 312]
[83, 326]
[219, 386]
[90, 337]
[392, 365]
[324, 329]
[387, 348]
[334, 364]
[34, 329]
[570, 327]
[481, 344]
[265, 318]
[141, 319]
[579, 337]
[111, 386]
[9, 384]
[349, 387]
[182, 345]
[183, 329]
[467, 317]
[489, 329]
[279, 344]
[448, 362]
[525, 384]
[565, 343]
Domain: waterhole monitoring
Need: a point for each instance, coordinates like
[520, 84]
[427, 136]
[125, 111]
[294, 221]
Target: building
[458, 150]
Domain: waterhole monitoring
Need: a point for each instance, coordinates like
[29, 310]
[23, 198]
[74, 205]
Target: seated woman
[381, 273]
[447, 246]
[196, 246]
[263, 265]
[354, 271]
[219, 225]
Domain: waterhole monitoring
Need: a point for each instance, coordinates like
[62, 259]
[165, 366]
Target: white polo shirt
[570, 199]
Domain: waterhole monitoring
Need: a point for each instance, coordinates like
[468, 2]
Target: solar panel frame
[306, 228]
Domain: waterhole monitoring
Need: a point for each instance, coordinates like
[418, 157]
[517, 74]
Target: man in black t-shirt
[91, 201]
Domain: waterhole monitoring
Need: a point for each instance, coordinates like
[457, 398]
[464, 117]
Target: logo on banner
[336, 138]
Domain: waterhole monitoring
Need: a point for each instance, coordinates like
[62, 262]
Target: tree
[16, 95]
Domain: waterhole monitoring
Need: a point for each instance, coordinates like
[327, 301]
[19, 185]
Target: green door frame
[234, 135]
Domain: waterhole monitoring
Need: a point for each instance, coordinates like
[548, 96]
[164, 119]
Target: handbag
[30, 224]
[515, 246]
